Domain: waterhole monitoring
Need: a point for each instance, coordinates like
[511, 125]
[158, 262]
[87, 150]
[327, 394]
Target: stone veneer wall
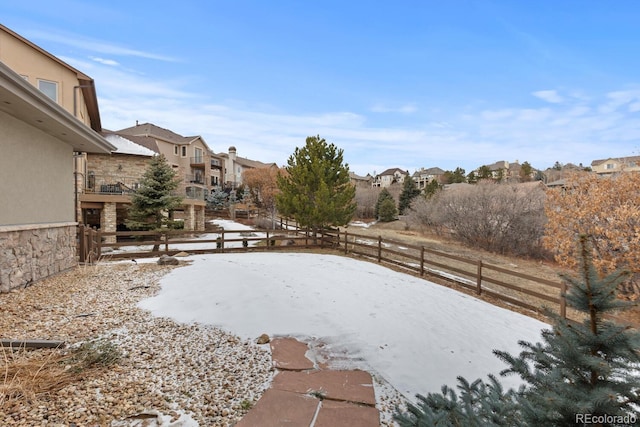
[32, 252]
[117, 165]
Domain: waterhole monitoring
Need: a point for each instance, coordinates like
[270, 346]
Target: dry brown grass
[30, 375]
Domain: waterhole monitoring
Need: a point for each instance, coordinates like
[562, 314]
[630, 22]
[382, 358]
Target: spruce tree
[316, 189]
[153, 202]
[387, 211]
[409, 192]
[585, 367]
[384, 195]
[579, 370]
[217, 199]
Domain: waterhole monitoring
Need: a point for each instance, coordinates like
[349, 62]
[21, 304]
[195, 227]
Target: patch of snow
[362, 224]
[413, 333]
[125, 146]
[156, 419]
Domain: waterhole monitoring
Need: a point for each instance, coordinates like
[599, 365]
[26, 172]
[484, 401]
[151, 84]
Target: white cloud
[576, 131]
[104, 61]
[97, 46]
[549, 95]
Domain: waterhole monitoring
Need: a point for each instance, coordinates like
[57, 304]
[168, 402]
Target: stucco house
[360, 181]
[235, 166]
[424, 176]
[616, 164]
[68, 87]
[37, 215]
[388, 177]
[108, 181]
[198, 168]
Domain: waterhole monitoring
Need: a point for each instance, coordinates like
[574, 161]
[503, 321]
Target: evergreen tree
[246, 194]
[579, 368]
[409, 192]
[316, 190]
[526, 171]
[384, 195]
[484, 172]
[387, 210]
[457, 176]
[432, 188]
[217, 199]
[152, 204]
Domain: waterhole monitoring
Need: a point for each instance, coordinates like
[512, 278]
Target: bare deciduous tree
[503, 218]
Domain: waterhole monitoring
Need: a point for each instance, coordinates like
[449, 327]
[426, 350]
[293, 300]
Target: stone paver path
[305, 393]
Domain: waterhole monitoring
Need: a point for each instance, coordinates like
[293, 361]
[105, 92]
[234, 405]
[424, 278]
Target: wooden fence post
[346, 233]
[268, 240]
[379, 248]
[166, 241]
[563, 299]
[81, 244]
[222, 241]
[479, 278]
[98, 235]
[422, 260]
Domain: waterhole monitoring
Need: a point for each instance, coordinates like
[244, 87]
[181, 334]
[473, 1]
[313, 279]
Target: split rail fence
[96, 244]
[476, 275]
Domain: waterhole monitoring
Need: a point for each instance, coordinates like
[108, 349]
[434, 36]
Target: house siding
[39, 172]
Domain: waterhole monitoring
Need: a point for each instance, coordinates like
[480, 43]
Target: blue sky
[404, 84]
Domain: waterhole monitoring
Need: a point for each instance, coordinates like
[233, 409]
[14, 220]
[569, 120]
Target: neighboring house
[499, 169]
[618, 164]
[424, 176]
[360, 181]
[199, 170]
[109, 181]
[388, 177]
[234, 167]
[37, 220]
[65, 85]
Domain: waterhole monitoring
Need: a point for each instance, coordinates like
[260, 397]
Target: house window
[175, 150]
[184, 151]
[609, 166]
[198, 158]
[49, 88]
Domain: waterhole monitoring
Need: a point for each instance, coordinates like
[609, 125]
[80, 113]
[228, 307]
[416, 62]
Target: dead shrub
[28, 374]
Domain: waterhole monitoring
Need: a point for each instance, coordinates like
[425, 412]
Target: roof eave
[25, 102]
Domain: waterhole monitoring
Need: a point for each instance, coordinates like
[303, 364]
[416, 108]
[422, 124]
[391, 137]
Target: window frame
[50, 82]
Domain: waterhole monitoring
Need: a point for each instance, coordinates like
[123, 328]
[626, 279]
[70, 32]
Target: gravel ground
[169, 372]
[169, 375]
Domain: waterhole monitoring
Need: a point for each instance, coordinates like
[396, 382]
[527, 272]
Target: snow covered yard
[415, 334]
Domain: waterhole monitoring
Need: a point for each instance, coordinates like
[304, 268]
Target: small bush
[94, 354]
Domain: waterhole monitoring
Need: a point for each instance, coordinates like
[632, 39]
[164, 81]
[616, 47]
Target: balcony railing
[195, 193]
[107, 184]
[125, 185]
[197, 161]
[194, 179]
[215, 163]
